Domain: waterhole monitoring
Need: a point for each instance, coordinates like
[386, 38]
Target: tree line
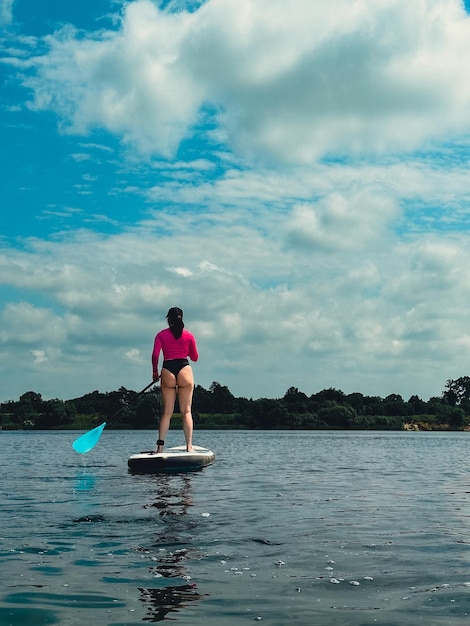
[218, 408]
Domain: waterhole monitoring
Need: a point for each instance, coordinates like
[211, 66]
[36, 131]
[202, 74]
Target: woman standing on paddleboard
[177, 344]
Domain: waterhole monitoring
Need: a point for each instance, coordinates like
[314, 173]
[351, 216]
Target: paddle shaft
[133, 400]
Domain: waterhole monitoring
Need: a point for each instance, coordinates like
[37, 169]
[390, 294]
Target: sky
[295, 176]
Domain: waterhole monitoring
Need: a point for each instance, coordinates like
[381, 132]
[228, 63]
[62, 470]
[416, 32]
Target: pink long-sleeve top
[173, 348]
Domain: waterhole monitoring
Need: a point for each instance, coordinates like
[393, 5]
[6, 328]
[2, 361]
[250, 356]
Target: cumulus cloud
[24, 324]
[130, 82]
[287, 85]
[338, 222]
[6, 12]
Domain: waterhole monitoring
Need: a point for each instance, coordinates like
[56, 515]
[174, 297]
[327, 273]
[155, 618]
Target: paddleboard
[170, 460]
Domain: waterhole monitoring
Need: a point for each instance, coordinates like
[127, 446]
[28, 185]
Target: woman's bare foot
[189, 449]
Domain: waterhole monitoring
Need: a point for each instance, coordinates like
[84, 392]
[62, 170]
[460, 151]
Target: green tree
[268, 413]
[417, 405]
[147, 410]
[222, 399]
[295, 400]
[458, 390]
[331, 394]
[55, 414]
[356, 400]
[202, 400]
[28, 409]
[456, 418]
[395, 406]
[337, 415]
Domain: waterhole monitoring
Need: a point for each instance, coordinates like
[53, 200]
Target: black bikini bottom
[175, 365]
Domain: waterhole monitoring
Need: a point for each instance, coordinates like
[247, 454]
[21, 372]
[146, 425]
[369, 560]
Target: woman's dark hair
[175, 321]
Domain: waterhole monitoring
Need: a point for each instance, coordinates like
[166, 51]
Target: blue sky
[296, 180]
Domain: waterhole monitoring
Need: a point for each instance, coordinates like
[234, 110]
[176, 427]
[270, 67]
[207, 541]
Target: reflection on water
[85, 482]
[172, 495]
[161, 602]
[172, 499]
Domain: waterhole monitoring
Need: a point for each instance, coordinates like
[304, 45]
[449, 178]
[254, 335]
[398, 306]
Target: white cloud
[6, 12]
[130, 82]
[134, 355]
[39, 356]
[26, 325]
[181, 271]
[80, 156]
[338, 222]
[288, 84]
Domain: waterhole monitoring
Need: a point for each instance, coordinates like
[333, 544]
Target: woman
[176, 375]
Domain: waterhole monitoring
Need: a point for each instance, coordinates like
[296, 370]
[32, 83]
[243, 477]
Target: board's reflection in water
[167, 600]
[174, 544]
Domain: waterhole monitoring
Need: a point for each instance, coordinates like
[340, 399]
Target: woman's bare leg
[185, 397]
[168, 389]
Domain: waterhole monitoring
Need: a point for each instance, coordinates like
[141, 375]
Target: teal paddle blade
[89, 440]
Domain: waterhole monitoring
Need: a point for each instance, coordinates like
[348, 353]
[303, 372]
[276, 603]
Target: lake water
[286, 528]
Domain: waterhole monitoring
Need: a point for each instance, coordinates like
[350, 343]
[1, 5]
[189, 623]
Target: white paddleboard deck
[171, 460]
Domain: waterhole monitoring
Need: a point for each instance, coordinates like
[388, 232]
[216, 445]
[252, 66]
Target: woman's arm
[157, 346]
[193, 353]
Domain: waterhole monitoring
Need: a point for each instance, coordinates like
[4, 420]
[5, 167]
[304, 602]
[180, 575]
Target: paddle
[89, 440]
